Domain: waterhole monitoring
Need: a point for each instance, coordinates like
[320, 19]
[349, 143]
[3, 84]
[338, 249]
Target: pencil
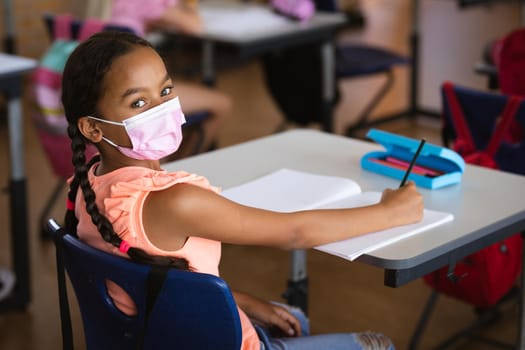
[407, 173]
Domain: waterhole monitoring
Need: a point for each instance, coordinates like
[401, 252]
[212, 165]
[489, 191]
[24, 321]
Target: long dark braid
[81, 88]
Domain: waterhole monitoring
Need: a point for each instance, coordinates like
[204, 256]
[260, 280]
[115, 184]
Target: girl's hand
[405, 205]
[275, 318]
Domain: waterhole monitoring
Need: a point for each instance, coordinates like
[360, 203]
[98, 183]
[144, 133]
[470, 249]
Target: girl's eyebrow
[132, 91]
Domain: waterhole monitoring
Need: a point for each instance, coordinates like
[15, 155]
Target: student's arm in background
[183, 18]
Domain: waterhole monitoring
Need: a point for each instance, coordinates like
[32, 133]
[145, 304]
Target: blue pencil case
[435, 166]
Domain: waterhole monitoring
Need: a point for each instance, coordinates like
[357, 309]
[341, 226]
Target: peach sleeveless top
[120, 196]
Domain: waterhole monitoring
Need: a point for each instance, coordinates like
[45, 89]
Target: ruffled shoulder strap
[152, 180]
[134, 183]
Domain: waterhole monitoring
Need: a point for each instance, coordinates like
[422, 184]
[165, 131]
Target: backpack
[485, 277]
[509, 57]
[48, 117]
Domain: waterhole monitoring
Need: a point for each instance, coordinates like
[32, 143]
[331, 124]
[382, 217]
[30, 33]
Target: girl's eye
[166, 91]
[138, 104]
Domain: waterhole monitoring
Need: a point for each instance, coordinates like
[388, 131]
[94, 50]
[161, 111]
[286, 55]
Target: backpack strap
[465, 143]
[62, 27]
[89, 27]
[503, 126]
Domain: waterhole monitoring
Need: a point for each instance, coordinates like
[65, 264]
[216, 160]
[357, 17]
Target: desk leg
[415, 36]
[328, 80]
[414, 58]
[18, 209]
[9, 30]
[296, 293]
[208, 73]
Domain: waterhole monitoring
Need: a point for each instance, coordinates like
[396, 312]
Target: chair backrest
[482, 111]
[192, 310]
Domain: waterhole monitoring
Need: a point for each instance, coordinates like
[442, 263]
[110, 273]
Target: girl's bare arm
[186, 210]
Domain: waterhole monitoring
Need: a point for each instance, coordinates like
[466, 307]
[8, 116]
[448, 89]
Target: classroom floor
[343, 296]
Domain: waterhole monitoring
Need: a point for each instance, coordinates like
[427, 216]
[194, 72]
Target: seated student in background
[128, 205]
[171, 15]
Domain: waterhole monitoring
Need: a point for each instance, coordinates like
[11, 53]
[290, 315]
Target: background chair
[56, 144]
[354, 60]
[487, 67]
[191, 310]
[293, 76]
[482, 111]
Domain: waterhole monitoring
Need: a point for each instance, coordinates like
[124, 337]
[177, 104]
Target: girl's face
[135, 83]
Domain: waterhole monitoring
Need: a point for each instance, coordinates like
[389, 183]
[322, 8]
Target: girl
[118, 96]
[157, 16]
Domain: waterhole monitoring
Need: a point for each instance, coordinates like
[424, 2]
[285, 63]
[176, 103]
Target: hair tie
[70, 205]
[124, 247]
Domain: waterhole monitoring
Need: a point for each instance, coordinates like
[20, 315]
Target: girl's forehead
[139, 67]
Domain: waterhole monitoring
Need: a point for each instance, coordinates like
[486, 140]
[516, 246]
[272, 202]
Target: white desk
[255, 30]
[12, 69]
[478, 221]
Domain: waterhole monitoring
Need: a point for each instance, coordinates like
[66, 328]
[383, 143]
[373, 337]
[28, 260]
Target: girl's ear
[90, 129]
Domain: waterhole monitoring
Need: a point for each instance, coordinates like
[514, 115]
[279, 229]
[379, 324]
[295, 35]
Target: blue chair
[481, 111]
[190, 311]
[354, 60]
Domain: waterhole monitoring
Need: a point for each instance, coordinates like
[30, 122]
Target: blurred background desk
[12, 69]
[253, 30]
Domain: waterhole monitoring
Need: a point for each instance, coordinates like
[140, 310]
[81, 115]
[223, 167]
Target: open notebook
[288, 190]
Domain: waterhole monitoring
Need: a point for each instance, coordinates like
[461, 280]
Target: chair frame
[485, 317]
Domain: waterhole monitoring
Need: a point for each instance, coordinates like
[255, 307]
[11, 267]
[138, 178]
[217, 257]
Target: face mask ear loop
[108, 122]
[110, 142]
[105, 121]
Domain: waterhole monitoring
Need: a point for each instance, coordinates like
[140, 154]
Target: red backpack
[509, 58]
[483, 278]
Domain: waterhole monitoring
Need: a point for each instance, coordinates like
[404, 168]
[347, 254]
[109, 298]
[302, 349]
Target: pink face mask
[154, 133]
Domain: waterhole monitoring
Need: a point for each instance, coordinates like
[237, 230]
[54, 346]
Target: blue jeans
[333, 341]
